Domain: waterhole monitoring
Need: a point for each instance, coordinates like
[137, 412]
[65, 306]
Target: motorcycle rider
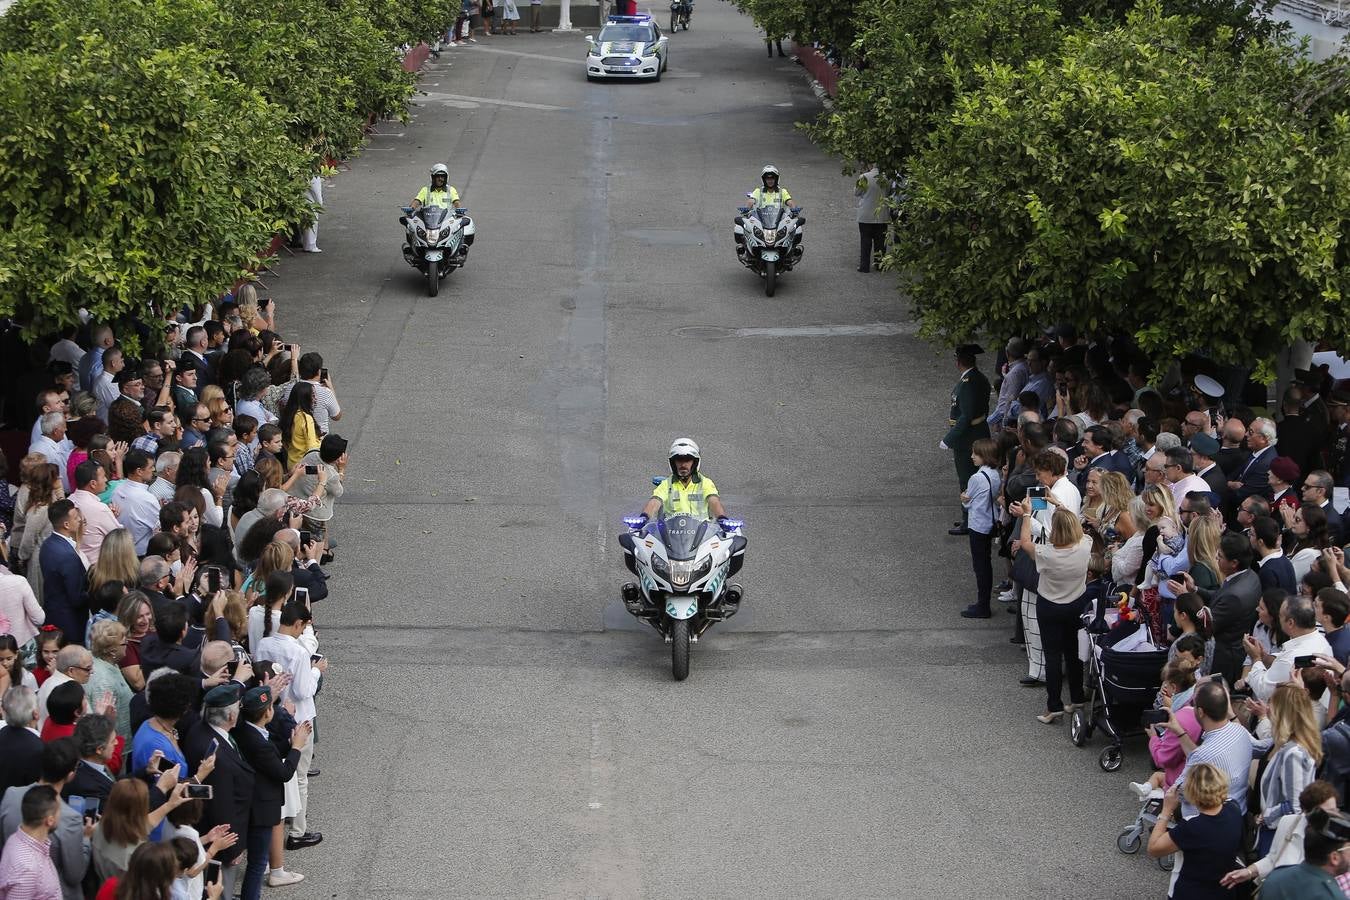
[769, 194]
[687, 491]
[439, 192]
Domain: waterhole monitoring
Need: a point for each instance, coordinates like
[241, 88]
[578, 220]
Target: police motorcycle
[437, 239]
[680, 13]
[682, 563]
[769, 240]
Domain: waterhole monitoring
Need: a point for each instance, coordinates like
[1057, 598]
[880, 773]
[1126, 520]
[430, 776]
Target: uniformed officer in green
[439, 192]
[968, 420]
[687, 491]
[1326, 855]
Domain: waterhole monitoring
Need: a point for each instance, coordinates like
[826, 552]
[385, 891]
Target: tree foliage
[149, 149]
[1138, 181]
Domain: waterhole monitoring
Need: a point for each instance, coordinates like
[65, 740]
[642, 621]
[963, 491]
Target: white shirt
[138, 511]
[56, 454]
[54, 681]
[105, 392]
[293, 657]
[1066, 493]
[1263, 681]
[1183, 487]
[325, 404]
[308, 639]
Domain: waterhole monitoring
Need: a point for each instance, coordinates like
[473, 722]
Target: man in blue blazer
[64, 572]
[1253, 478]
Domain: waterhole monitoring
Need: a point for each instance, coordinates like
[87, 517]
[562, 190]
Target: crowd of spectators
[162, 551]
[1210, 523]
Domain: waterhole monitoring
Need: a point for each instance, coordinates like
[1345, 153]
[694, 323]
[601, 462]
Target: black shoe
[313, 773]
[1004, 586]
[976, 611]
[958, 531]
[308, 839]
[1028, 681]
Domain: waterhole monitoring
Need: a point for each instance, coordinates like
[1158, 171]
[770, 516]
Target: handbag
[1024, 571]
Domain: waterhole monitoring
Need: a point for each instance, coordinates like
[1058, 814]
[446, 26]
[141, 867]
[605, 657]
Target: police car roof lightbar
[640, 19]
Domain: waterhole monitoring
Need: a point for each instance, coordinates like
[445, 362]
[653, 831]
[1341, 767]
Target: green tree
[833, 22]
[133, 180]
[1138, 183]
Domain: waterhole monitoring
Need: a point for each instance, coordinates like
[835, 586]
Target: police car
[628, 47]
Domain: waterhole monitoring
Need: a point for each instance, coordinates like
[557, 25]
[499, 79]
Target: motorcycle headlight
[703, 568]
[660, 566]
[433, 234]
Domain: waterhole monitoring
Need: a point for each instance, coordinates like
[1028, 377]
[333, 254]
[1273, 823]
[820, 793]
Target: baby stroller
[1121, 683]
[1132, 838]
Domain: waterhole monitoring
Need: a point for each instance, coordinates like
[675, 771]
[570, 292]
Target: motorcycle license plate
[434, 255]
[770, 256]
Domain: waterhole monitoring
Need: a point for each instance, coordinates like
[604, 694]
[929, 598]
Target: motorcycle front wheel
[679, 649]
[433, 277]
[674, 22]
[770, 278]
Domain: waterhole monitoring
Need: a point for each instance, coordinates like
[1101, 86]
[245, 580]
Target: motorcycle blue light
[634, 521]
[732, 524]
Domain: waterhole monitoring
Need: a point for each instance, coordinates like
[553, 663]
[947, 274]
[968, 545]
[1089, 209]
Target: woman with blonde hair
[1202, 546]
[1115, 513]
[1210, 840]
[1163, 538]
[127, 822]
[1295, 752]
[108, 644]
[222, 415]
[209, 393]
[138, 618]
[255, 316]
[27, 465]
[1061, 564]
[116, 561]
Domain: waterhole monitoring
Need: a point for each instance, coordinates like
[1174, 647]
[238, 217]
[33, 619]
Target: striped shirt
[325, 405]
[1229, 749]
[27, 871]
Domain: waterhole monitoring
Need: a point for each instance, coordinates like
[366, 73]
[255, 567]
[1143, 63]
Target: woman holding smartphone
[1062, 564]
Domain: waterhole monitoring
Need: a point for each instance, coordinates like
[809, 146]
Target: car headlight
[595, 51]
[660, 566]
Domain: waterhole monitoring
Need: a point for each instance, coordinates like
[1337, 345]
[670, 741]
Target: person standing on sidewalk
[874, 217]
[536, 9]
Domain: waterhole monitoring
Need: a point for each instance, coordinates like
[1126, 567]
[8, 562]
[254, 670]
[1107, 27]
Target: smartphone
[91, 811]
[315, 657]
[302, 595]
[311, 470]
[1153, 716]
[212, 873]
[1036, 490]
[306, 538]
[212, 747]
[1305, 662]
[213, 580]
[77, 804]
[199, 792]
[232, 667]
[323, 374]
[165, 764]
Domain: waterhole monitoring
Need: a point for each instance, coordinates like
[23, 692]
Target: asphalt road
[493, 724]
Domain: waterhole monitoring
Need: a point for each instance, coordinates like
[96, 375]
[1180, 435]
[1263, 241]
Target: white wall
[1324, 22]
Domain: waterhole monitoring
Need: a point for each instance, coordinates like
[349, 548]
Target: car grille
[619, 61]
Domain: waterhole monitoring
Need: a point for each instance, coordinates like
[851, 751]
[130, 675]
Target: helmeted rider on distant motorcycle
[443, 194]
[768, 194]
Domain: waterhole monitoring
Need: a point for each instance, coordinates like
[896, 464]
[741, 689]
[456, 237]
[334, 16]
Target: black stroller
[1120, 684]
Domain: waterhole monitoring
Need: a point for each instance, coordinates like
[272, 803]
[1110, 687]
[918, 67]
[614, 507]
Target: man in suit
[64, 579]
[1317, 488]
[1298, 438]
[96, 740]
[69, 841]
[305, 567]
[968, 420]
[1253, 479]
[194, 356]
[271, 771]
[1099, 448]
[1274, 568]
[1232, 455]
[232, 778]
[1232, 605]
[20, 741]
[1203, 451]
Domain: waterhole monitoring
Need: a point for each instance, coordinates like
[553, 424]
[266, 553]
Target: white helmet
[767, 171]
[683, 447]
[440, 169]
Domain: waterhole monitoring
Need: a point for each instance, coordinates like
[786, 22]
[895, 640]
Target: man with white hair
[20, 740]
[1254, 478]
[305, 566]
[270, 502]
[52, 444]
[166, 474]
[73, 663]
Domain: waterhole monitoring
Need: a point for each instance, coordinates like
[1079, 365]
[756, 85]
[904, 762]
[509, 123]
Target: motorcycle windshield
[434, 216]
[682, 536]
[769, 215]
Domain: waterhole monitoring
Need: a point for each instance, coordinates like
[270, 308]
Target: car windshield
[769, 215]
[682, 535]
[627, 34]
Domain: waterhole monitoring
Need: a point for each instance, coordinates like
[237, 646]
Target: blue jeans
[259, 849]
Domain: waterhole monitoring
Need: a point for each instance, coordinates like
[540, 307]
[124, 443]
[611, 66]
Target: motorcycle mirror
[750, 194]
[403, 220]
[657, 479]
[406, 209]
[461, 211]
[742, 209]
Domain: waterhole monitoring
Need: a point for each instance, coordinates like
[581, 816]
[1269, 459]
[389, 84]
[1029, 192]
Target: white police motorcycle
[437, 241]
[769, 240]
[683, 564]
